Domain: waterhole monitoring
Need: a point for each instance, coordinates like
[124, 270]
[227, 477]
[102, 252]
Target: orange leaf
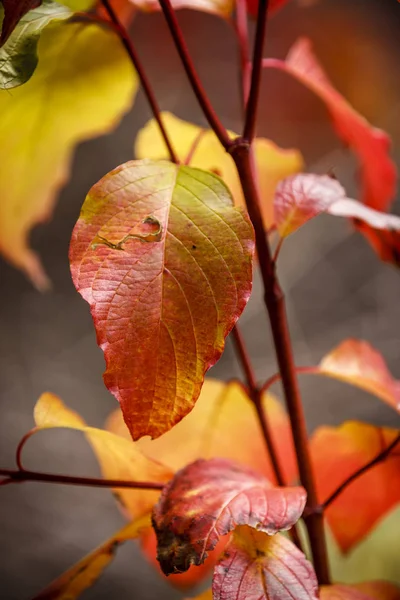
[165, 262]
[338, 453]
[207, 595]
[256, 566]
[358, 363]
[85, 573]
[208, 499]
[118, 457]
[223, 414]
[374, 590]
[371, 145]
[301, 197]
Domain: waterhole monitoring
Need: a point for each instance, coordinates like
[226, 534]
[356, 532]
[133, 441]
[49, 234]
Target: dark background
[335, 286]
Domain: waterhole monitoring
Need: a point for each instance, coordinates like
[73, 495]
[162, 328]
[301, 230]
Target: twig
[256, 72]
[20, 447]
[127, 42]
[194, 146]
[277, 376]
[17, 476]
[193, 77]
[243, 39]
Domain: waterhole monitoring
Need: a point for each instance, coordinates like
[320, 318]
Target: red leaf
[374, 590]
[385, 243]
[256, 566]
[165, 262]
[339, 452]
[371, 145]
[14, 10]
[207, 500]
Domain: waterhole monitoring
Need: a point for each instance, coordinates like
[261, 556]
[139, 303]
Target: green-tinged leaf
[18, 56]
[78, 91]
[71, 584]
[165, 262]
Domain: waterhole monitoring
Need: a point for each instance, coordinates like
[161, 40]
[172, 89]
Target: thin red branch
[194, 146]
[20, 447]
[277, 376]
[242, 33]
[17, 476]
[277, 250]
[372, 463]
[193, 77]
[256, 72]
[148, 90]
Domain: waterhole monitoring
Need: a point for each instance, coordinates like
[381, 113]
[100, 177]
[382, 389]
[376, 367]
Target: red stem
[23, 475]
[127, 42]
[243, 37]
[251, 108]
[277, 376]
[193, 77]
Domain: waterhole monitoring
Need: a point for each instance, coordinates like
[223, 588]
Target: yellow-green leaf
[78, 91]
[273, 163]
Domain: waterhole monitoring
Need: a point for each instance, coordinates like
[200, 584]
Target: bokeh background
[335, 285]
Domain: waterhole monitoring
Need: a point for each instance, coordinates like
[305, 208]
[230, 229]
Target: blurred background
[335, 286]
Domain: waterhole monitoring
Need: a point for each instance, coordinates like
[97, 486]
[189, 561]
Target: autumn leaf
[339, 452]
[14, 10]
[208, 499]
[18, 56]
[380, 590]
[207, 595]
[386, 243]
[71, 584]
[95, 90]
[302, 197]
[222, 414]
[256, 566]
[371, 145]
[358, 363]
[118, 458]
[273, 163]
[165, 262]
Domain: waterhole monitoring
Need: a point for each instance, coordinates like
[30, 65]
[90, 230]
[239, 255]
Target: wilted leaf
[118, 458]
[301, 197]
[256, 566]
[371, 145]
[208, 499]
[18, 56]
[374, 590]
[339, 452]
[84, 574]
[44, 119]
[222, 414]
[273, 163]
[14, 10]
[165, 262]
[358, 363]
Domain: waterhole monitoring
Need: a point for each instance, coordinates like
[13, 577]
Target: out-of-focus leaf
[222, 8]
[18, 56]
[358, 363]
[273, 163]
[256, 566]
[379, 590]
[222, 414]
[207, 595]
[78, 5]
[366, 591]
[299, 198]
[208, 499]
[339, 452]
[386, 243]
[274, 5]
[71, 584]
[165, 262]
[118, 458]
[371, 145]
[44, 119]
[14, 10]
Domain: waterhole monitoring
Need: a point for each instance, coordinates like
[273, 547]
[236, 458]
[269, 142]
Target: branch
[243, 39]
[193, 77]
[372, 463]
[127, 42]
[17, 476]
[252, 104]
[277, 376]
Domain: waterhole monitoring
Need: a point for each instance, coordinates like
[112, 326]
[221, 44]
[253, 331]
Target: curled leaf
[256, 566]
[208, 499]
[339, 452]
[14, 10]
[71, 584]
[165, 262]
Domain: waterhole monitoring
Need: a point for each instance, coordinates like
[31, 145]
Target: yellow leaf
[82, 86]
[85, 573]
[119, 458]
[273, 163]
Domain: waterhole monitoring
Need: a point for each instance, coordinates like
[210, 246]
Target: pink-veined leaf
[256, 566]
[301, 197]
[208, 499]
[165, 262]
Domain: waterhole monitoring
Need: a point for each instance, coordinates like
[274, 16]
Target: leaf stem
[256, 72]
[148, 90]
[277, 376]
[242, 33]
[21, 475]
[372, 463]
[193, 77]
